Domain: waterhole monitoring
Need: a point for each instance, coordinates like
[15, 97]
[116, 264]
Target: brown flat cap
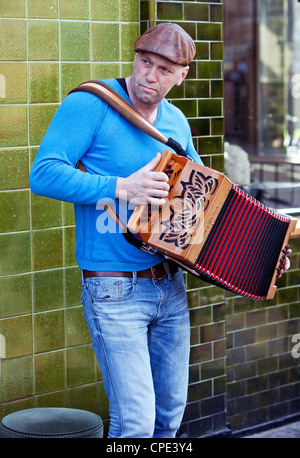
[168, 40]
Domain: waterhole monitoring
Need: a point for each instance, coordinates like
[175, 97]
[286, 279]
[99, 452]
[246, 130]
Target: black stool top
[57, 422]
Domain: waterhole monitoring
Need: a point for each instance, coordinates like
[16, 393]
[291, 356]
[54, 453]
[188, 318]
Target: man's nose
[152, 75]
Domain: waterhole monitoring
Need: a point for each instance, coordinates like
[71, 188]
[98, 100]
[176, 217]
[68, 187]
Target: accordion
[214, 230]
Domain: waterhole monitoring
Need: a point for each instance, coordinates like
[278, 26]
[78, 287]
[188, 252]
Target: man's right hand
[144, 186]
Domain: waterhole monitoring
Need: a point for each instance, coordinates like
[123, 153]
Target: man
[134, 303]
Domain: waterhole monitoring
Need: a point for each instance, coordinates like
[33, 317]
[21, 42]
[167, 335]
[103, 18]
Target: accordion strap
[116, 101]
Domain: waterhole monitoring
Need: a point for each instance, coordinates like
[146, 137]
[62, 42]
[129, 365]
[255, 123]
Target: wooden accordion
[215, 230]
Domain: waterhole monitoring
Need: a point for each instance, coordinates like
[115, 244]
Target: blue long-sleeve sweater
[86, 128]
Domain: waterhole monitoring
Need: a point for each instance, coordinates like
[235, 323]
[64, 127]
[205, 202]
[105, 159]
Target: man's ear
[184, 73]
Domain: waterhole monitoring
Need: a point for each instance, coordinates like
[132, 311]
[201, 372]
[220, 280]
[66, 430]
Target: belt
[158, 272]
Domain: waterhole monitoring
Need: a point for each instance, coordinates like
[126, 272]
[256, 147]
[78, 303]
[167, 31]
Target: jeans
[141, 336]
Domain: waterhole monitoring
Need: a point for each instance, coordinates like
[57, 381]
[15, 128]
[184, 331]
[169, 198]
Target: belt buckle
[158, 278]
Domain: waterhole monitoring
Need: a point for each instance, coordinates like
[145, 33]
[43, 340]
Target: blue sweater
[86, 128]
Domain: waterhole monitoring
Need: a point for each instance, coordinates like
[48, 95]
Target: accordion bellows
[215, 230]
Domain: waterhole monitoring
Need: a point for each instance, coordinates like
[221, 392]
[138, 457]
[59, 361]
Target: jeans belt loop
[134, 277]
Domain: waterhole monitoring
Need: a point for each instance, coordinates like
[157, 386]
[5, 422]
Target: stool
[51, 422]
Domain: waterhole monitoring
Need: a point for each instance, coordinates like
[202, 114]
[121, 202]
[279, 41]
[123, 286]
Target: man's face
[154, 76]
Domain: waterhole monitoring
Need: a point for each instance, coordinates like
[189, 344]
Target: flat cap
[168, 40]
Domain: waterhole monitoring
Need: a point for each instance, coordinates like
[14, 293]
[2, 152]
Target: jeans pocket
[112, 289]
[178, 281]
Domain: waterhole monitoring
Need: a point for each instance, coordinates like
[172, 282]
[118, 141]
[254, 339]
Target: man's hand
[286, 265]
[144, 186]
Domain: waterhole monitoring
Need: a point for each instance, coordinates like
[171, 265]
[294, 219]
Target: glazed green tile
[15, 253]
[50, 372]
[189, 107]
[216, 13]
[48, 290]
[209, 70]
[17, 379]
[12, 39]
[69, 246]
[196, 89]
[217, 88]
[74, 9]
[17, 332]
[68, 214]
[56, 399]
[200, 127]
[14, 211]
[104, 10]
[15, 406]
[211, 145]
[129, 35]
[47, 249]
[45, 212]
[75, 41]
[14, 8]
[15, 164]
[177, 92]
[73, 74]
[217, 126]
[210, 107]
[15, 295]
[211, 295]
[196, 11]
[216, 51]
[126, 69]
[43, 40]
[217, 162]
[148, 10]
[77, 332]
[81, 367]
[287, 295]
[169, 11]
[190, 28]
[208, 31]
[72, 286]
[13, 122]
[43, 82]
[130, 10]
[202, 51]
[40, 117]
[106, 70]
[192, 74]
[15, 82]
[105, 42]
[201, 316]
[41, 9]
[49, 331]
[83, 397]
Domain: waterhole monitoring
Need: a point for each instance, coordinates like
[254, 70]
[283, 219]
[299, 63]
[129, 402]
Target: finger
[152, 164]
[159, 176]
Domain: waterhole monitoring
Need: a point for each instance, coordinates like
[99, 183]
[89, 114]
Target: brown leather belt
[158, 272]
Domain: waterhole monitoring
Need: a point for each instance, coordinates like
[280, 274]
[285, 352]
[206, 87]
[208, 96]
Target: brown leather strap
[116, 101]
[158, 272]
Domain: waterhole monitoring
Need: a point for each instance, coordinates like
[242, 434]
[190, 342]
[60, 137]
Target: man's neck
[148, 111]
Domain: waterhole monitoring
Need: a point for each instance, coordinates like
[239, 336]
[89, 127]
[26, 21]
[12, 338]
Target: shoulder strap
[116, 101]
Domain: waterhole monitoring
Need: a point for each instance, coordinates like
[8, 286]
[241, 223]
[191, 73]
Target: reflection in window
[262, 93]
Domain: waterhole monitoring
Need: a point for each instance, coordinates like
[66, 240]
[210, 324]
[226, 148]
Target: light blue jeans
[141, 336]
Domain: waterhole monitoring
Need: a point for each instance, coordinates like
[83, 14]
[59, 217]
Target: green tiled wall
[46, 49]
[263, 375]
[241, 369]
